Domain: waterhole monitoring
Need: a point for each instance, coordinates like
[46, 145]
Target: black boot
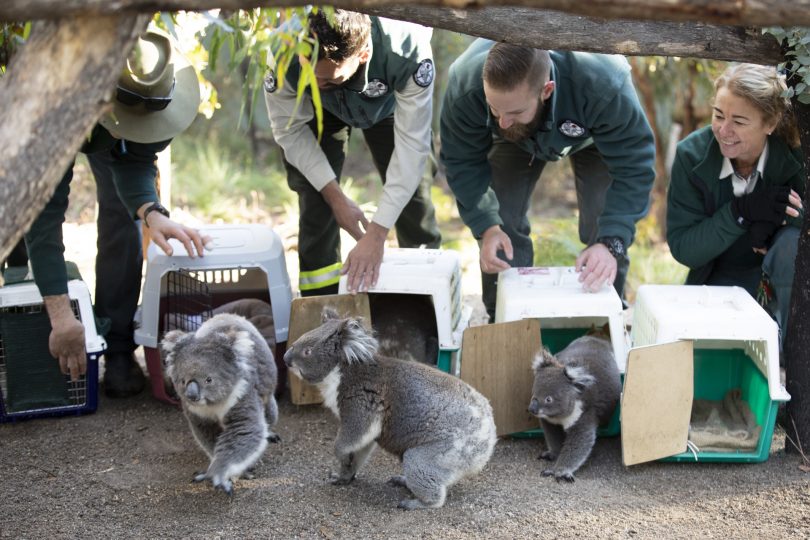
[122, 375]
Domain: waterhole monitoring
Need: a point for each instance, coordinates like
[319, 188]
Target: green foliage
[12, 35]
[797, 41]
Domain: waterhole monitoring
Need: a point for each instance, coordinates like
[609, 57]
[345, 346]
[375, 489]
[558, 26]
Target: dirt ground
[125, 471]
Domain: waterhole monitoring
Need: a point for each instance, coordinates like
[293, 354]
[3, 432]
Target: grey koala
[405, 326]
[573, 395]
[225, 376]
[440, 427]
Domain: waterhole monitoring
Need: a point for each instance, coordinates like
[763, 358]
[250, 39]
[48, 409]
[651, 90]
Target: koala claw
[199, 477]
[273, 438]
[565, 476]
[339, 480]
[398, 481]
[547, 455]
[410, 504]
[226, 486]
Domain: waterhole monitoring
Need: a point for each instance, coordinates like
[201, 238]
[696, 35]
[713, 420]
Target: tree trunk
[53, 93]
[730, 12]
[797, 337]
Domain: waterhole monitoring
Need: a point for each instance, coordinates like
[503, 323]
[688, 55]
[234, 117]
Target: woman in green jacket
[734, 202]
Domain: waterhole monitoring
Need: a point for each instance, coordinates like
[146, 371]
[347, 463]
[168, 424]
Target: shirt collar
[728, 169]
[739, 185]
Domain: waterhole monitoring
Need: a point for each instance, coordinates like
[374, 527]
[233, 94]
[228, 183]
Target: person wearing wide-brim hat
[156, 98]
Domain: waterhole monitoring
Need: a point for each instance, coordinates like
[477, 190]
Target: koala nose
[193, 391]
[288, 357]
[534, 407]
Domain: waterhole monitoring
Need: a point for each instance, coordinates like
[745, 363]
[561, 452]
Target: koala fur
[440, 427]
[573, 395]
[225, 376]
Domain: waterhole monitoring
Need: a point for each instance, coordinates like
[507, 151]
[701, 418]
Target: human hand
[362, 266]
[596, 267]
[66, 341]
[348, 215]
[769, 204]
[161, 228]
[494, 240]
[761, 233]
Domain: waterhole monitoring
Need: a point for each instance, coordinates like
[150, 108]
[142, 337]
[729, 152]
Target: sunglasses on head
[130, 98]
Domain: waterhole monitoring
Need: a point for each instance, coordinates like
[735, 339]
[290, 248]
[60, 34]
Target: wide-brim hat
[154, 69]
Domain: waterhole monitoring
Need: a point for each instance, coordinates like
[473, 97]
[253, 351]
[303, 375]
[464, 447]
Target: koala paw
[564, 477]
[273, 438]
[199, 477]
[410, 504]
[548, 472]
[224, 485]
[548, 455]
[398, 481]
[340, 480]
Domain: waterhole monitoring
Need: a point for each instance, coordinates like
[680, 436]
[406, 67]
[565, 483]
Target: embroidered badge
[375, 88]
[424, 73]
[569, 128]
[270, 81]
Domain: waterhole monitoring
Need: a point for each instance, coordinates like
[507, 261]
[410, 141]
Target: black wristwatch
[154, 207]
[615, 246]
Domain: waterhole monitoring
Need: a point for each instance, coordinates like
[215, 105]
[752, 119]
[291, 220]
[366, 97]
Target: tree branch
[727, 12]
[551, 30]
[54, 91]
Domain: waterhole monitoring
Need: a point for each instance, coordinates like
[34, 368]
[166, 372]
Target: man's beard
[518, 132]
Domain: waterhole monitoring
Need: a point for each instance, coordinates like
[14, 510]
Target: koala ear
[329, 313]
[542, 359]
[579, 377]
[169, 345]
[358, 344]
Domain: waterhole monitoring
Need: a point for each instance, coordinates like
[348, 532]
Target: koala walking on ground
[225, 376]
[441, 428]
[573, 395]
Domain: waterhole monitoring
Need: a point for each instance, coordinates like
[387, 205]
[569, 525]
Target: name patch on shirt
[569, 128]
[425, 73]
[375, 88]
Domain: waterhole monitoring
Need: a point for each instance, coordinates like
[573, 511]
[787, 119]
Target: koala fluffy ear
[329, 313]
[542, 359]
[579, 377]
[358, 344]
[169, 344]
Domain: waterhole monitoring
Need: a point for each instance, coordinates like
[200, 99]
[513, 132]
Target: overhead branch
[552, 30]
[55, 89]
[727, 12]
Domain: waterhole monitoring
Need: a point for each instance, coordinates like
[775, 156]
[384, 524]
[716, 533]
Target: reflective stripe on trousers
[320, 278]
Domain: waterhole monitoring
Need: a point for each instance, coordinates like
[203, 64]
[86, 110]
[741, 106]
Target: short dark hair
[344, 36]
[507, 66]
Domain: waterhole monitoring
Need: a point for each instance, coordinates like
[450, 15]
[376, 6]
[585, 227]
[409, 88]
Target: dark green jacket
[133, 171]
[701, 230]
[368, 97]
[593, 91]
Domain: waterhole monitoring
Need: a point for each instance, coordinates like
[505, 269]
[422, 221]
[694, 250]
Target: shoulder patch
[375, 88]
[569, 128]
[424, 74]
[270, 81]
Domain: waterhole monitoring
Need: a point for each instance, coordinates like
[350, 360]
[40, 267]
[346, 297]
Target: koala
[573, 395]
[225, 376]
[441, 428]
[405, 326]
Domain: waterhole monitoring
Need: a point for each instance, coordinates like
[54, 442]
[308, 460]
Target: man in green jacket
[157, 98]
[376, 75]
[510, 109]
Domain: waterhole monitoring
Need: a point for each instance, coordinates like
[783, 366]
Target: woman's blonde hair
[762, 86]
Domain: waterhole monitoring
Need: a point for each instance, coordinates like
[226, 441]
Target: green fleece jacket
[594, 93]
[701, 230]
[134, 172]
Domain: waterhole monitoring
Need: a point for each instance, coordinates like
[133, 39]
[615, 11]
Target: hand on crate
[493, 241]
[66, 341]
[596, 267]
[161, 228]
[348, 215]
[362, 266]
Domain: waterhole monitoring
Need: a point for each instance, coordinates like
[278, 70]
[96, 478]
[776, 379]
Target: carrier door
[496, 360]
[305, 314]
[657, 401]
